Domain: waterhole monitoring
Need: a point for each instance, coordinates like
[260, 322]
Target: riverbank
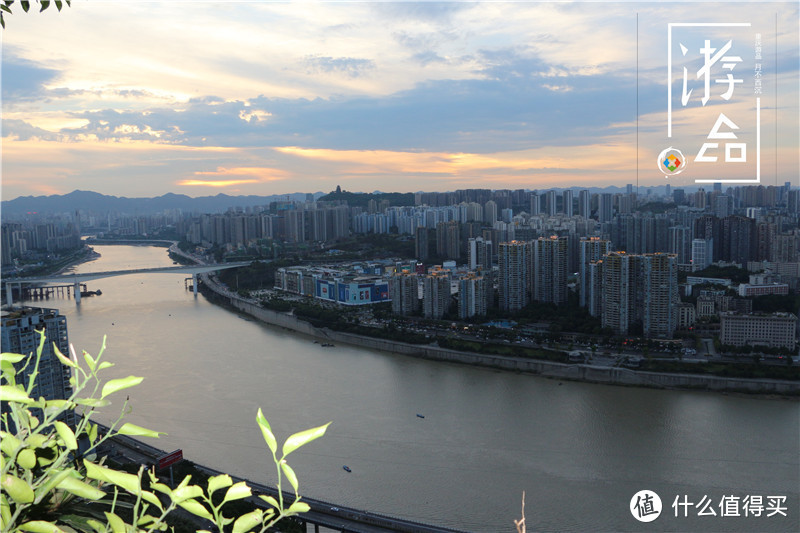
[563, 371]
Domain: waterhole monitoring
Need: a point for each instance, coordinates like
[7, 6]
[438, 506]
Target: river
[579, 451]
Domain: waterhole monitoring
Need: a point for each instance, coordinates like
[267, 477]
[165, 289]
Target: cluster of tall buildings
[291, 222]
[29, 239]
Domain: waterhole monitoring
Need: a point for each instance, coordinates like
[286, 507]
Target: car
[334, 509]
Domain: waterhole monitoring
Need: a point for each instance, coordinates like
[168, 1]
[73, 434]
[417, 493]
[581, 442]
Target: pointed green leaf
[59, 404]
[66, 435]
[40, 526]
[17, 489]
[196, 508]
[152, 498]
[98, 526]
[266, 431]
[9, 393]
[25, 5]
[37, 440]
[218, 482]
[45, 4]
[146, 519]
[127, 481]
[116, 523]
[9, 443]
[93, 402]
[138, 431]
[270, 500]
[52, 482]
[81, 489]
[12, 357]
[237, 492]
[89, 361]
[162, 488]
[26, 458]
[66, 361]
[104, 365]
[58, 4]
[8, 370]
[248, 521]
[5, 8]
[290, 475]
[298, 507]
[303, 437]
[5, 510]
[119, 384]
[186, 493]
[92, 432]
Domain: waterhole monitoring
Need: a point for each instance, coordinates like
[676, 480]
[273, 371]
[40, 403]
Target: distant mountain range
[96, 203]
[93, 202]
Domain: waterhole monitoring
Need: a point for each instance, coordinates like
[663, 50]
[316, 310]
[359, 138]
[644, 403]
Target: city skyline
[260, 98]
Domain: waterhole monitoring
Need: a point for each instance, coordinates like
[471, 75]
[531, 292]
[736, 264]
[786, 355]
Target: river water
[579, 451]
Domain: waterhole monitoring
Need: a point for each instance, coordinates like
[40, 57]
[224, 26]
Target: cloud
[261, 173]
[216, 184]
[23, 81]
[348, 66]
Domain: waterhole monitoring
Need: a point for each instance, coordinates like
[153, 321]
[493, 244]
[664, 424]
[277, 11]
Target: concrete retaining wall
[576, 372]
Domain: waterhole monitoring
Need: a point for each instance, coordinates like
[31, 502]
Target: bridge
[77, 279]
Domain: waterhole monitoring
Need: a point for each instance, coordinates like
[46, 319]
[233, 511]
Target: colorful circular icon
[645, 506]
[671, 161]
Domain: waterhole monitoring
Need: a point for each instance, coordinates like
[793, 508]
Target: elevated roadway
[77, 279]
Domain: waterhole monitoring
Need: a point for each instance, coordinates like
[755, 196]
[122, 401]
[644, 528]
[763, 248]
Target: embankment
[577, 372]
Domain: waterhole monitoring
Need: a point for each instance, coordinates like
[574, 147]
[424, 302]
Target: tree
[5, 7]
[52, 484]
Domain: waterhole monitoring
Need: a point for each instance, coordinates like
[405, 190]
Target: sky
[140, 98]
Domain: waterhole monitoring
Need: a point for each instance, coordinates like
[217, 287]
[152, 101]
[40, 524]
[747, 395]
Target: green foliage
[359, 199]
[735, 274]
[775, 303]
[50, 485]
[503, 349]
[5, 7]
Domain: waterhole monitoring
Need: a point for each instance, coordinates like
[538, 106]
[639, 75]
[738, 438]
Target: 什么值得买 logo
[671, 161]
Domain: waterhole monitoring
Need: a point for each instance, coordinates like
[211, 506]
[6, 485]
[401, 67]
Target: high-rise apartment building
[536, 204]
[585, 203]
[702, 253]
[658, 281]
[514, 259]
[606, 208]
[680, 243]
[448, 240]
[640, 289]
[421, 243]
[479, 254]
[589, 251]
[617, 296]
[550, 258]
[435, 294]
[490, 212]
[20, 334]
[550, 203]
[473, 295]
[567, 206]
[404, 291]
